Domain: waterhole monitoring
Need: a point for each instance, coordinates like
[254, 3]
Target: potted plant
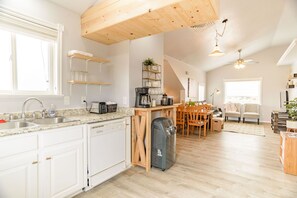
[292, 111]
[149, 62]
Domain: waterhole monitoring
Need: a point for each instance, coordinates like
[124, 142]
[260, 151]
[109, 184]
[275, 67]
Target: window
[29, 55]
[201, 92]
[243, 91]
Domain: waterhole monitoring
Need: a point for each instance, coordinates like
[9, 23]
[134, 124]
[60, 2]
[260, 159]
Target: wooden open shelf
[89, 58]
[152, 79]
[87, 82]
[153, 71]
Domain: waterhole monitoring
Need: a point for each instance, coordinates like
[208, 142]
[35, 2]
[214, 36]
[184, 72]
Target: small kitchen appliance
[98, 107]
[170, 100]
[143, 98]
[164, 100]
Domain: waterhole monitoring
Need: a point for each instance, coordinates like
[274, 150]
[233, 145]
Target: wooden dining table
[208, 115]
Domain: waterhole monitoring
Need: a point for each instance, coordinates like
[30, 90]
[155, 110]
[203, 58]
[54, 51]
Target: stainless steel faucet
[33, 98]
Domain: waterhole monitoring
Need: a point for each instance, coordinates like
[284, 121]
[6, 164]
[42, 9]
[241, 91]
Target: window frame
[244, 80]
[38, 29]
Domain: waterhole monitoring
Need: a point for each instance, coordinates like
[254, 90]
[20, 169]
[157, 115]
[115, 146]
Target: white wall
[141, 49]
[184, 71]
[172, 85]
[119, 56]
[274, 79]
[72, 39]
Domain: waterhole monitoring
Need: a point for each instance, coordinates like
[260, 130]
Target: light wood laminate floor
[222, 165]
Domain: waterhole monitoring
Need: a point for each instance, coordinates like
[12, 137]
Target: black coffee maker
[143, 98]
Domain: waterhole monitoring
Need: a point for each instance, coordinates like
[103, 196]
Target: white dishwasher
[106, 150]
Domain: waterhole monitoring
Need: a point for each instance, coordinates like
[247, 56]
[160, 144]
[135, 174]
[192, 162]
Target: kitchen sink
[54, 120]
[16, 125]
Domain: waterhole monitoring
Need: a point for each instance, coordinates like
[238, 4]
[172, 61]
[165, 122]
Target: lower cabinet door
[61, 171]
[18, 176]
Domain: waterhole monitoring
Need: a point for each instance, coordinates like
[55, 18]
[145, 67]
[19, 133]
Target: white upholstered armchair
[251, 111]
[232, 110]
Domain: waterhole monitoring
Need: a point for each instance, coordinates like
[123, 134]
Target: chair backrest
[180, 112]
[254, 108]
[206, 106]
[232, 107]
[196, 114]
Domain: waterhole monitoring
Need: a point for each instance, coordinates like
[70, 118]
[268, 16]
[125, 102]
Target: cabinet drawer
[61, 135]
[17, 144]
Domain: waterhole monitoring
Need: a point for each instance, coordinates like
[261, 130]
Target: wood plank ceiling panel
[113, 21]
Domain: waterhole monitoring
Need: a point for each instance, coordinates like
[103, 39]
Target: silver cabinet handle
[34, 162]
[101, 131]
[95, 127]
[48, 158]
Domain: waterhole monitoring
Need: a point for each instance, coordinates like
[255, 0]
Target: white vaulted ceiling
[253, 26]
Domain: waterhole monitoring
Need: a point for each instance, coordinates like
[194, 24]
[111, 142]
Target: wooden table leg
[148, 141]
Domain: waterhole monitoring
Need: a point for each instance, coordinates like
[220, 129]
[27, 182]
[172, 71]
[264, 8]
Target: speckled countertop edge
[78, 116]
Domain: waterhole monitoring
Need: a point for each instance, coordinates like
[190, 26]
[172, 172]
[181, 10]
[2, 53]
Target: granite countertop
[79, 117]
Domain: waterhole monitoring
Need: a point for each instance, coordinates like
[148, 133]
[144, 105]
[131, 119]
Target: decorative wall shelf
[152, 78]
[80, 77]
[89, 58]
[152, 71]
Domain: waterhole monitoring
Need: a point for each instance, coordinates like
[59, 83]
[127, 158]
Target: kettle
[164, 100]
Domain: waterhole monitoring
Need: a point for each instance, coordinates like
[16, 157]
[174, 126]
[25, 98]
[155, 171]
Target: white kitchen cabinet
[61, 170]
[19, 166]
[47, 164]
[61, 162]
[18, 176]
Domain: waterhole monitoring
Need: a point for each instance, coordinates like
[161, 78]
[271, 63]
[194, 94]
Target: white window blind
[20, 23]
[30, 55]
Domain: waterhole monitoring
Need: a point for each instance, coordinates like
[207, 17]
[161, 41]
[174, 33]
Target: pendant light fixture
[216, 51]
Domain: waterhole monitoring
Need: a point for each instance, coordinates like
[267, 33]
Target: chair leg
[204, 131]
[238, 119]
[243, 119]
[183, 129]
[258, 121]
[188, 130]
[199, 132]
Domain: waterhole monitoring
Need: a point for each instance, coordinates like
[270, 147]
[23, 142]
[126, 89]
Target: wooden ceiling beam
[116, 20]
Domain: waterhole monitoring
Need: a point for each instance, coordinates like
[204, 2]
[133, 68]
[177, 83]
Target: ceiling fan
[240, 63]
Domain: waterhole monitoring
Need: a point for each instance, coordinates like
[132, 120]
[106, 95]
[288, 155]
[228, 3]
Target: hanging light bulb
[216, 51]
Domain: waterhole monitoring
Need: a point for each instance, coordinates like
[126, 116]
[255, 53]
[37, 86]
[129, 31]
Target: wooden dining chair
[207, 107]
[180, 118]
[197, 117]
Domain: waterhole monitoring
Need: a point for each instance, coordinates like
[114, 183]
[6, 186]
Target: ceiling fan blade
[250, 61]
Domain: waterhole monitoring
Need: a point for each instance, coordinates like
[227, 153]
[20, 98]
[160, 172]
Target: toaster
[98, 107]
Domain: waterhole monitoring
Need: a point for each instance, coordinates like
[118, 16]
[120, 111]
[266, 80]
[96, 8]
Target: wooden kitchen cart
[141, 133]
[288, 152]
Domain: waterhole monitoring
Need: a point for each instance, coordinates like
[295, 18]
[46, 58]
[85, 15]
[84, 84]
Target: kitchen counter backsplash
[79, 116]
